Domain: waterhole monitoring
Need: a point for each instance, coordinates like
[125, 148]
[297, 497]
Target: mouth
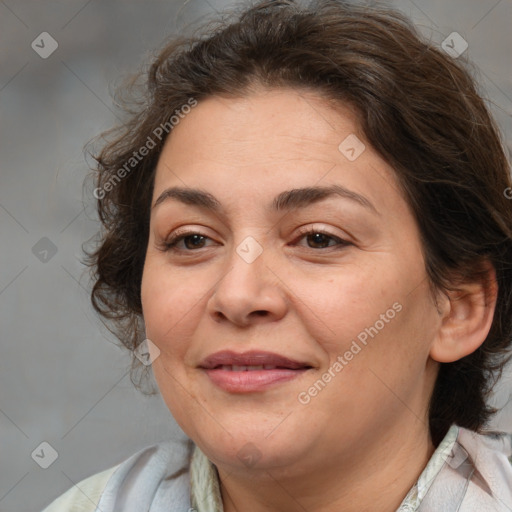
[250, 368]
[250, 361]
[251, 371]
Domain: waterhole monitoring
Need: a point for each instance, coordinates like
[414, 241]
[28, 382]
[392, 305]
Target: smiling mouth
[252, 368]
[250, 361]
[251, 372]
[252, 378]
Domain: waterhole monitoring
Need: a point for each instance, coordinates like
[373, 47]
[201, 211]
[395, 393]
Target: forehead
[301, 121]
[270, 141]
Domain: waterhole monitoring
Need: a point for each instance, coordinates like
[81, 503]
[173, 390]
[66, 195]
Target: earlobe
[467, 316]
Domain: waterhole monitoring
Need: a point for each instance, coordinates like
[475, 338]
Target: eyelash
[170, 245]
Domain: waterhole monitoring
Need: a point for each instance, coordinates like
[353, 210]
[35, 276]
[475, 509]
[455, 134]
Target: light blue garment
[155, 479]
[467, 473]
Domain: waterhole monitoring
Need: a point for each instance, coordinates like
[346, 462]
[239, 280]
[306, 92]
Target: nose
[249, 292]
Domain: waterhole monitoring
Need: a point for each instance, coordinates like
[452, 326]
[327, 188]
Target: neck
[376, 478]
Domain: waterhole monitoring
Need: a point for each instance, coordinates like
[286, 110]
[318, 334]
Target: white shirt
[468, 472]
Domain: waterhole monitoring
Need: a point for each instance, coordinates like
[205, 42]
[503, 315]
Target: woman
[307, 224]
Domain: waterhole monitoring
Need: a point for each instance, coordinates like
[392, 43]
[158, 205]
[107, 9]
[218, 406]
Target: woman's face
[347, 307]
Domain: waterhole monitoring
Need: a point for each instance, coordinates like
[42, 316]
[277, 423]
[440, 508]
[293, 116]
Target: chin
[251, 448]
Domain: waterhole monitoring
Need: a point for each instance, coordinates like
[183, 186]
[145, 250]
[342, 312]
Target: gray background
[62, 379]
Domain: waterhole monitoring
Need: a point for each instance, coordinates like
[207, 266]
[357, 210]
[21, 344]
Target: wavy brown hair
[418, 108]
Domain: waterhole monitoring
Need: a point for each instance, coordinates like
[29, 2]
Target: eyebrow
[287, 200]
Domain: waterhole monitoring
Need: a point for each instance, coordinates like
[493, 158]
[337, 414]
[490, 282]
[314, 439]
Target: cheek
[376, 366]
[372, 318]
[347, 305]
[170, 316]
[167, 306]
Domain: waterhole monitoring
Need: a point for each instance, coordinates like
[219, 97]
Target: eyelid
[303, 230]
[181, 233]
[316, 228]
[186, 231]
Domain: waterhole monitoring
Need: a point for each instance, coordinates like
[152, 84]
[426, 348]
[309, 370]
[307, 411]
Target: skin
[363, 440]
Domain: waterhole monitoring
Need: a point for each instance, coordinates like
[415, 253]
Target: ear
[466, 318]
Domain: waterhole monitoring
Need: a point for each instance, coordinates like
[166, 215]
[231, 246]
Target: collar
[205, 495]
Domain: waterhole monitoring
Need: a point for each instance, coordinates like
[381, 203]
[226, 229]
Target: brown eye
[317, 239]
[191, 241]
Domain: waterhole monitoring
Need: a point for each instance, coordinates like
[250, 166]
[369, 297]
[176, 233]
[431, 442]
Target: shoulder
[84, 496]
[467, 472]
[491, 479]
[158, 474]
[476, 474]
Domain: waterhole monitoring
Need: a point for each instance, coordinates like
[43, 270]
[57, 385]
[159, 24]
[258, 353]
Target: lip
[239, 380]
[251, 358]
